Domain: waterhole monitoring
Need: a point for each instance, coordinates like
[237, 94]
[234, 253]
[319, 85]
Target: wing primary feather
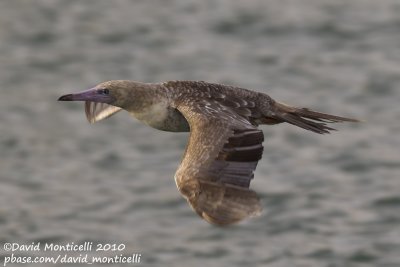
[99, 111]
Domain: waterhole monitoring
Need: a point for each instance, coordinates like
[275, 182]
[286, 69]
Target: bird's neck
[143, 96]
[150, 104]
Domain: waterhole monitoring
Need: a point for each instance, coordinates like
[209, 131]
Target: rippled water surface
[329, 200]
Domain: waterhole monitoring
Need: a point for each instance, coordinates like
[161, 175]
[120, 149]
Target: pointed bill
[99, 111]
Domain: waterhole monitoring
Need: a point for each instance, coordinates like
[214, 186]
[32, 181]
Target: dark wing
[218, 164]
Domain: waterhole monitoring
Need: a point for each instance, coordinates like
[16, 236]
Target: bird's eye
[104, 91]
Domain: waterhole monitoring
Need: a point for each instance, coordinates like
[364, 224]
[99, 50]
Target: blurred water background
[328, 200]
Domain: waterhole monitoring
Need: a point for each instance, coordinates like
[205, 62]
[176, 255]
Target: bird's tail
[306, 118]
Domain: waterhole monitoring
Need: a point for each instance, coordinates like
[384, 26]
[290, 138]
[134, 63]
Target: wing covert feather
[99, 111]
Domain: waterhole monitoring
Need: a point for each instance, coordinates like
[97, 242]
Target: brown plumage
[225, 143]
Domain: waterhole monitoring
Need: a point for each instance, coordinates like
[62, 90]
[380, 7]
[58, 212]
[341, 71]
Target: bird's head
[111, 92]
[129, 95]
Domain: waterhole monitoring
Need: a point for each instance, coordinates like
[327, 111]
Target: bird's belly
[174, 122]
[163, 118]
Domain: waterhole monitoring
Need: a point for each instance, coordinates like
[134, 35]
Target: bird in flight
[225, 143]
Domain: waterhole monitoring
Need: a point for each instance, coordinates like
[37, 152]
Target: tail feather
[310, 114]
[308, 119]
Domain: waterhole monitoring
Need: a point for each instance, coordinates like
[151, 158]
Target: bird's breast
[163, 117]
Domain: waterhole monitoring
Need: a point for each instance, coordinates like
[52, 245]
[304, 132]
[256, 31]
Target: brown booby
[225, 143]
